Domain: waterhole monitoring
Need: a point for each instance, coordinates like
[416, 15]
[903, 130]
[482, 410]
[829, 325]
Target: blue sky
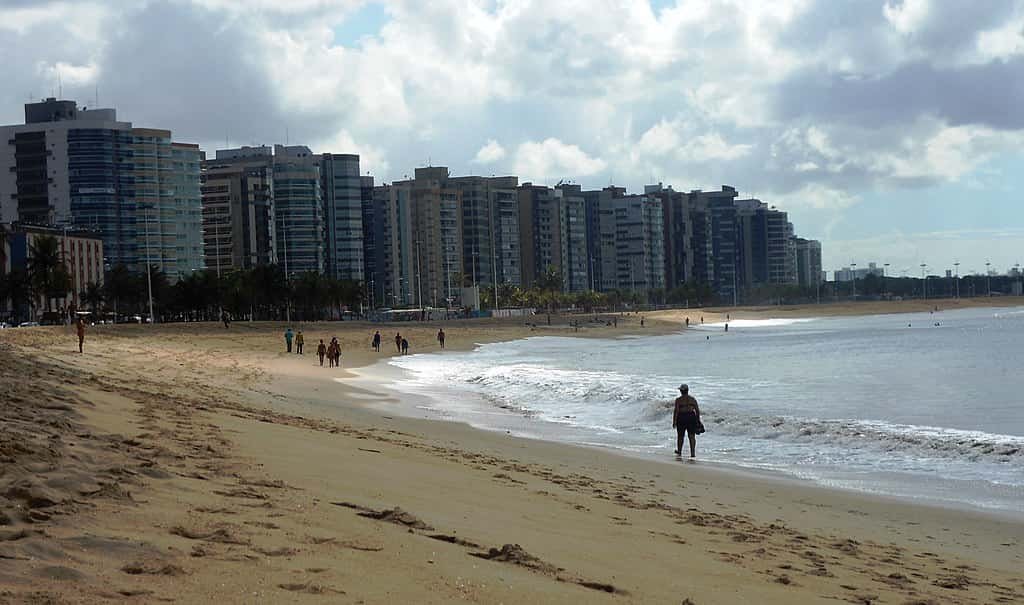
[889, 129]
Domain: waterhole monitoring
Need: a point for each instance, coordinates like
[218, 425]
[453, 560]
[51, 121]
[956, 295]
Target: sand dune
[189, 463]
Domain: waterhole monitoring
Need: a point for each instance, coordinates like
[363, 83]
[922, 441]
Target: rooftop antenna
[96, 97]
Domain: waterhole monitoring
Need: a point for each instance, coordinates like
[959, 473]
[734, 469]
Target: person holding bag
[686, 420]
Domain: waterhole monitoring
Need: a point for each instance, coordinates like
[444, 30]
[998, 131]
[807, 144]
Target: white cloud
[551, 160]
[906, 15]
[489, 153]
[712, 147]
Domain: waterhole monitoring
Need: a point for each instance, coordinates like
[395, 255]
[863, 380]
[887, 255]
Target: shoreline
[381, 400]
[184, 461]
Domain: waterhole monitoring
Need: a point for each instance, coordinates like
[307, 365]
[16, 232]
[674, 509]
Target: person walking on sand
[641, 321]
[440, 337]
[321, 351]
[405, 347]
[224, 317]
[288, 336]
[334, 352]
[686, 420]
[299, 341]
[398, 342]
[376, 341]
[80, 329]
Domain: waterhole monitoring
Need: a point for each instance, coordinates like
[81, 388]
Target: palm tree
[50, 278]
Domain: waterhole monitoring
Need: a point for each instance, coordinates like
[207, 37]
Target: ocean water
[889, 404]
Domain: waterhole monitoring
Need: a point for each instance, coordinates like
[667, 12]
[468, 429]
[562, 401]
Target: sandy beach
[190, 463]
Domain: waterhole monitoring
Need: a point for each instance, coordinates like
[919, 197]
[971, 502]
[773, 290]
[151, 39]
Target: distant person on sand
[398, 342]
[226, 319]
[321, 352]
[288, 336]
[686, 420]
[376, 341]
[440, 337]
[405, 347]
[687, 322]
[80, 328]
[641, 321]
[726, 327]
[299, 341]
[334, 353]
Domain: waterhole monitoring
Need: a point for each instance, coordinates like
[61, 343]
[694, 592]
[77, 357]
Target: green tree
[93, 296]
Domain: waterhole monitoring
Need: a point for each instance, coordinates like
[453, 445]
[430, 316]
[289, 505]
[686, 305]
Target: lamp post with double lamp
[924, 280]
[853, 273]
[988, 280]
[956, 280]
[885, 278]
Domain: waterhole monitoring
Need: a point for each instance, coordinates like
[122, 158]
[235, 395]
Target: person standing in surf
[686, 420]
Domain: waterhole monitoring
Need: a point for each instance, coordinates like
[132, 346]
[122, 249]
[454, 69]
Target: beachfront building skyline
[82, 168]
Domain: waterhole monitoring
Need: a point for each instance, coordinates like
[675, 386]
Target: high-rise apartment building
[343, 215]
[632, 243]
[238, 209]
[490, 229]
[808, 261]
[427, 240]
[541, 230]
[678, 222]
[72, 166]
[298, 210]
[575, 259]
[168, 203]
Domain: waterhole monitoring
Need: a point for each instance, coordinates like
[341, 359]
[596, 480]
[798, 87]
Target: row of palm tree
[261, 293]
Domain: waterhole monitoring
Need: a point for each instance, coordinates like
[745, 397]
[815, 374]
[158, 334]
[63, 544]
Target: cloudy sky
[891, 130]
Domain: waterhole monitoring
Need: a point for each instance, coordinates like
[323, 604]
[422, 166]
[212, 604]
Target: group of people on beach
[331, 351]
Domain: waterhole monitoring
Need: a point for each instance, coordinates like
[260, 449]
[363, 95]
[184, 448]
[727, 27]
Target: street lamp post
[988, 280]
[853, 274]
[149, 271]
[957, 279]
[885, 278]
[924, 278]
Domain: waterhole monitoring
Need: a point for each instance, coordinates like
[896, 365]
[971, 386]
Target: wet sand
[189, 463]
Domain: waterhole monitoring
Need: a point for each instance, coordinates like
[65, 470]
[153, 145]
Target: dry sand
[189, 463]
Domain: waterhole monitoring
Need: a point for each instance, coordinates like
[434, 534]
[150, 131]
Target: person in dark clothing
[224, 317]
[398, 342]
[405, 347]
[376, 341]
[686, 420]
[321, 352]
[80, 329]
[440, 337]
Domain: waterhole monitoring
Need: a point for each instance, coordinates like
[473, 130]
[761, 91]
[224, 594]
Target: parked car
[29, 324]
[4, 325]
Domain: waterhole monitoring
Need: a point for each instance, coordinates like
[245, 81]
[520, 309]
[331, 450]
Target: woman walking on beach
[321, 351]
[440, 337]
[398, 342]
[686, 420]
